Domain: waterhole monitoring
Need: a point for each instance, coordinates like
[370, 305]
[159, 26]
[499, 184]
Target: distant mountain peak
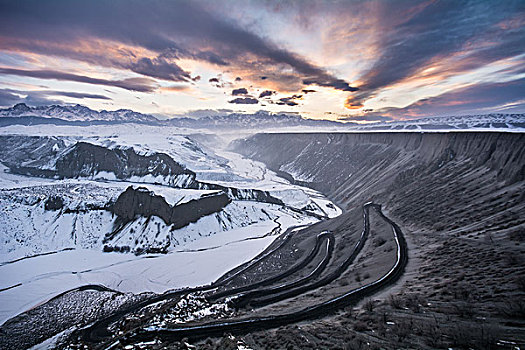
[77, 113]
[257, 121]
[21, 107]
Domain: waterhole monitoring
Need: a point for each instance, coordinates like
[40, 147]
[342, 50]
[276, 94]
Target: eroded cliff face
[141, 202]
[85, 159]
[455, 181]
[50, 157]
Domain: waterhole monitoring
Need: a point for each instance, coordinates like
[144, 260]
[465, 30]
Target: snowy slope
[73, 231]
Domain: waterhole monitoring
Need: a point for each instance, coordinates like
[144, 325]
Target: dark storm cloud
[488, 98]
[326, 81]
[244, 101]
[240, 91]
[180, 29]
[159, 68]
[289, 101]
[283, 102]
[266, 93]
[417, 33]
[133, 84]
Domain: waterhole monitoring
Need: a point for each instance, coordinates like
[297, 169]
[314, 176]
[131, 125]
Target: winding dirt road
[218, 328]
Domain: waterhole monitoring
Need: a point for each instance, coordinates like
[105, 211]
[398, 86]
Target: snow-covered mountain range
[261, 119]
[77, 113]
[465, 122]
[21, 114]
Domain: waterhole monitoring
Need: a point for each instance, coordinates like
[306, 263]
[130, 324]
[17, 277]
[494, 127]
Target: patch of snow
[40, 278]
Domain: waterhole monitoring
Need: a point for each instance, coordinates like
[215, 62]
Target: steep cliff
[51, 157]
[141, 202]
[454, 181]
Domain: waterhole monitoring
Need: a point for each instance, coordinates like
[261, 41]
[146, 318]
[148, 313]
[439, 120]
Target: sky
[339, 60]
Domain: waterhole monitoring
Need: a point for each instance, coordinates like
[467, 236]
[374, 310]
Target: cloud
[133, 84]
[174, 30]
[328, 81]
[289, 101]
[307, 91]
[286, 102]
[351, 103]
[266, 93]
[79, 95]
[160, 68]
[365, 118]
[244, 101]
[219, 82]
[238, 79]
[176, 88]
[481, 98]
[240, 91]
[9, 97]
[418, 35]
[201, 113]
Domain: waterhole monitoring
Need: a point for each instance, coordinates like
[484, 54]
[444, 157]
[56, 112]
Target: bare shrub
[434, 334]
[369, 305]
[395, 301]
[402, 329]
[379, 241]
[464, 309]
[343, 282]
[361, 326]
[358, 277]
[413, 302]
[461, 291]
[472, 335]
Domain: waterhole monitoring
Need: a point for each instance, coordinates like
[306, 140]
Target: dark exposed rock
[33, 152]
[28, 155]
[141, 202]
[35, 156]
[86, 159]
[54, 203]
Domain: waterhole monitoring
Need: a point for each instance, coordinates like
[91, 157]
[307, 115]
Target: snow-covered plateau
[196, 209]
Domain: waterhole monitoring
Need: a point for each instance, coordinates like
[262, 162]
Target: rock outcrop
[141, 202]
[85, 160]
